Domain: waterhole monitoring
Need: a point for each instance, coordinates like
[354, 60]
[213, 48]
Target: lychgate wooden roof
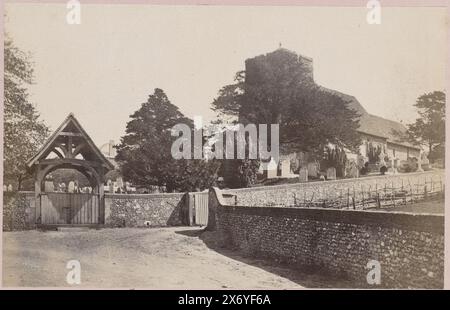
[80, 144]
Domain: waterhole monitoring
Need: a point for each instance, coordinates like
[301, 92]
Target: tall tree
[24, 132]
[429, 128]
[278, 88]
[145, 151]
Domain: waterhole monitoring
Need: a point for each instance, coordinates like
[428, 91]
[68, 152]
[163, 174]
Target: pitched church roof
[71, 127]
[394, 132]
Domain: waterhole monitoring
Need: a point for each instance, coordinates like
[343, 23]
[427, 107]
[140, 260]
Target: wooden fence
[378, 196]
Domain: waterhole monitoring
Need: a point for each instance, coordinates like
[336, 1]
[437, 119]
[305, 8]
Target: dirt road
[159, 258]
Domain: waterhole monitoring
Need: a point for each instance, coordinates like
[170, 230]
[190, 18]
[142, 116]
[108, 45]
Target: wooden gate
[69, 209]
[198, 208]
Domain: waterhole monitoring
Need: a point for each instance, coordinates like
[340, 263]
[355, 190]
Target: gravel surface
[157, 258]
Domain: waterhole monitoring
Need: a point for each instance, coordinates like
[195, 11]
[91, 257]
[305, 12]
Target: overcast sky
[104, 68]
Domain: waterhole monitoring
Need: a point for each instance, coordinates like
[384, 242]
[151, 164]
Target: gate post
[37, 195]
[101, 203]
[190, 209]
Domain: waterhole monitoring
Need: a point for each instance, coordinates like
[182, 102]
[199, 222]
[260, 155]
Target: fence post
[353, 198]
[425, 194]
[190, 199]
[362, 196]
[393, 193]
[378, 201]
[412, 194]
[404, 194]
[348, 197]
[418, 191]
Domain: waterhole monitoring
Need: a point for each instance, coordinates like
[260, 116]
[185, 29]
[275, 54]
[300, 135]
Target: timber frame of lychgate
[70, 147]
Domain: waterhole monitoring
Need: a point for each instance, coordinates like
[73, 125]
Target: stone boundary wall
[139, 210]
[18, 211]
[121, 210]
[409, 247]
[289, 194]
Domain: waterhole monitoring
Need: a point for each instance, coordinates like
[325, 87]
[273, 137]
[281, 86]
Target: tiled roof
[392, 131]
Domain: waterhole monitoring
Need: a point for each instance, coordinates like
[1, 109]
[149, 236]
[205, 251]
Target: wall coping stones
[400, 220]
[143, 196]
[395, 219]
[118, 196]
[26, 193]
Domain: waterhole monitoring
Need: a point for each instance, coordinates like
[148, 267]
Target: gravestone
[110, 186]
[285, 168]
[303, 174]
[119, 183]
[49, 187]
[312, 170]
[71, 187]
[394, 165]
[272, 168]
[331, 173]
[352, 170]
[302, 159]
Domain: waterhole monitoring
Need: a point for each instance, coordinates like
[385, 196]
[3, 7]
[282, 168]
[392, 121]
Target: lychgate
[70, 147]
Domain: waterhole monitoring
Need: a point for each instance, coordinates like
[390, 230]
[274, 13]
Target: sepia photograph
[223, 147]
